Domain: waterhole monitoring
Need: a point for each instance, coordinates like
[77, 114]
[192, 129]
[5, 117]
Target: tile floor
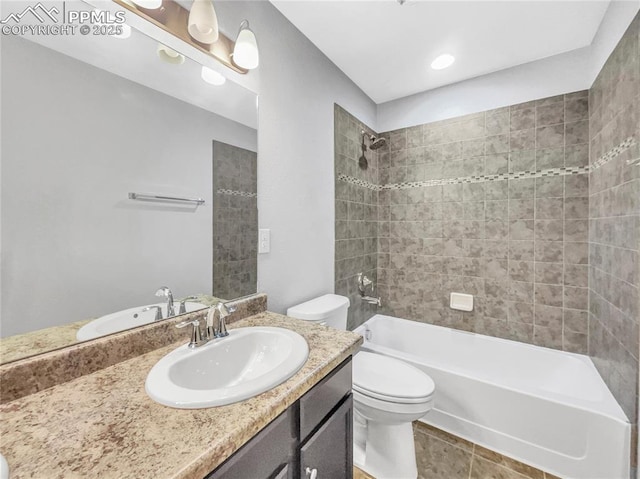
[441, 455]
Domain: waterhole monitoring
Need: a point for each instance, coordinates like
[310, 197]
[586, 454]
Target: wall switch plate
[264, 241]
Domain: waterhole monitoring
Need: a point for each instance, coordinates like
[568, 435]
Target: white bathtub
[546, 408]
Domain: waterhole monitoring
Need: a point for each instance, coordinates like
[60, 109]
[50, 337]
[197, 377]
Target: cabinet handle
[311, 473]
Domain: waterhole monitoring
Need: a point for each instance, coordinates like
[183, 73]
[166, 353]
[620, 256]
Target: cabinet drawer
[266, 455]
[323, 398]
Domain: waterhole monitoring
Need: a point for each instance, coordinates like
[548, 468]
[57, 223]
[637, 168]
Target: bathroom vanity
[313, 437]
[103, 424]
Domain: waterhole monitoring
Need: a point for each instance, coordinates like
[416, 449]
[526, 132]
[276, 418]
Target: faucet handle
[163, 291]
[209, 329]
[222, 329]
[183, 306]
[158, 312]
[196, 338]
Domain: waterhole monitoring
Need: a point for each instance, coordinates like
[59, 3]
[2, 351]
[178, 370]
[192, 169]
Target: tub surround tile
[510, 197]
[358, 227]
[113, 429]
[235, 221]
[614, 216]
[37, 373]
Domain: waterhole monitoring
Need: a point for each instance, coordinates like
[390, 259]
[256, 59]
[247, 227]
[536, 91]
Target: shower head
[375, 143]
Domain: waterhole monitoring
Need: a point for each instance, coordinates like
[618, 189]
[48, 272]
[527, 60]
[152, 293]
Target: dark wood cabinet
[314, 434]
[329, 452]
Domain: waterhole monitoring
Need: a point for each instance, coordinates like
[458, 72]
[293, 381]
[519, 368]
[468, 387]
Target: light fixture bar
[174, 19]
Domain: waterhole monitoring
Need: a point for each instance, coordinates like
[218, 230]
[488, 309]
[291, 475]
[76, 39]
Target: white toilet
[388, 395]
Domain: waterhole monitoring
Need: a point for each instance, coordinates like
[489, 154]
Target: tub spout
[372, 300]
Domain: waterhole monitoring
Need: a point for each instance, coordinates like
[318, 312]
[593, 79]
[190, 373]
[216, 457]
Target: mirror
[105, 147]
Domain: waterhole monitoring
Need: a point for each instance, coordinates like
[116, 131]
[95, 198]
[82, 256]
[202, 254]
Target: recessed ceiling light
[443, 61]
[212, 76]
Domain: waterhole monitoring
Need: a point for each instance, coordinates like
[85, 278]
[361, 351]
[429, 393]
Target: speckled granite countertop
[104, 424]
[37, 342]
[43, 340]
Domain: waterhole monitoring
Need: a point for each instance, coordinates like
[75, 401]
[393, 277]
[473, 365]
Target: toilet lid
[385, 377]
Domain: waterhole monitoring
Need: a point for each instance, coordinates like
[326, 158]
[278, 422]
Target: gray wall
[298, 87]
[75, 141]
[614, 240]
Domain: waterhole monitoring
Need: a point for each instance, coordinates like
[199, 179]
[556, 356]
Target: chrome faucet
[158, 312]
[196, 338]
[166, 292]
[183, 305]
[365, 283]
[223, 310]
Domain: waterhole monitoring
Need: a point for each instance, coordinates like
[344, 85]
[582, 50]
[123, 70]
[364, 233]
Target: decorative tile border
[613, 152]
[358, 182]
[564, 171]
[572, 170]
[246, 194]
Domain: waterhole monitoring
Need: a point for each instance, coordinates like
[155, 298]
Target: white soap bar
[461, 302]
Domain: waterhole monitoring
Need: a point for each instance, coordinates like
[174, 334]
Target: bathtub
[546, 408]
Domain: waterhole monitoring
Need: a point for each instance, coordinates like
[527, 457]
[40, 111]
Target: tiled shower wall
[493, 204]
[356, 214]
[614, 238]
[235, 221]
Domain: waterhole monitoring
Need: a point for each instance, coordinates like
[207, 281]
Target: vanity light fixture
[169, 55]
[245, 52]
[212, 77]
[198, 27]
[443, 61]
[203, 22]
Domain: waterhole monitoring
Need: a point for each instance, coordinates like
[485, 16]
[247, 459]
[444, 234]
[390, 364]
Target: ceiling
[387, 48]
[136, 59]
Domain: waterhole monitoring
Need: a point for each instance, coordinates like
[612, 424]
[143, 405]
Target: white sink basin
[4, 468]
[127, 319]
[246, 363]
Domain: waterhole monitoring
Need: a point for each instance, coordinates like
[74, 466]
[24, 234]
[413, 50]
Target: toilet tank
[330, 309]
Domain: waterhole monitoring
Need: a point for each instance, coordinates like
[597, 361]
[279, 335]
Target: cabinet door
[323, 398]
[330, 450]
[267, 455]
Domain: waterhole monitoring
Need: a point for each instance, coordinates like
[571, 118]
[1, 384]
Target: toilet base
[385, 451]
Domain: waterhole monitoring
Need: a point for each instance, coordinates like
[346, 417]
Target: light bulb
[169, 55]
[203, 22]
[212, 76]
[245, 52]
[148, 4]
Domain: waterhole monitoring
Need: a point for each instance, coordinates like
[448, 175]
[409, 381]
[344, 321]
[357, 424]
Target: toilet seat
[391, 380]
